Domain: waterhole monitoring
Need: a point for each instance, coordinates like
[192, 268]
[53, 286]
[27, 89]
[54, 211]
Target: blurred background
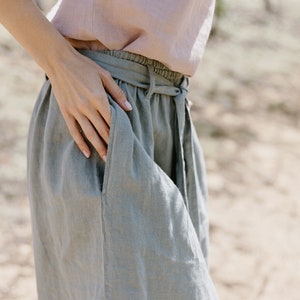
[246, 110]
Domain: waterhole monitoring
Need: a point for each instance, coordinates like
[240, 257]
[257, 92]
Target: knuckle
[120, 95]
[105, 75]
[74, 131]
[99, 146]
[80, 144]
[78, 139]
[105, 134]
[83, 106]
[89, 133]
[97, 99]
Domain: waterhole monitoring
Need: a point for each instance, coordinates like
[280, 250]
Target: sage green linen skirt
[135, 227]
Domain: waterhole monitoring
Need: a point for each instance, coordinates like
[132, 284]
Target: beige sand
[246, 108]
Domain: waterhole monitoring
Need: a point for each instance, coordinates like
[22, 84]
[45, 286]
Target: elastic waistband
[157, 67]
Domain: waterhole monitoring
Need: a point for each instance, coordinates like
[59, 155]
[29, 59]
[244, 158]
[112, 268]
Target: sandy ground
[246, 110]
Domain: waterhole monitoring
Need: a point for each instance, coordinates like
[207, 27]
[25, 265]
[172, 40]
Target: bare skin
[79, 85]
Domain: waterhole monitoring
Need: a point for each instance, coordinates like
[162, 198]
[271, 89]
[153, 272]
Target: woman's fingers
[89, 116]
[93, 135]
[114, 90]
[100, 109]
[76, 135]
[100, 125]
[82, 88]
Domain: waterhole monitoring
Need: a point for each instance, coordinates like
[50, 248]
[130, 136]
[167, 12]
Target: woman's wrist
[35, 33]
[56, 56]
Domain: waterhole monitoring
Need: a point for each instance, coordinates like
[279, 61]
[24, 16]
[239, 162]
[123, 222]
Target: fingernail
[128, 105]
[104, 158]
[86, 154]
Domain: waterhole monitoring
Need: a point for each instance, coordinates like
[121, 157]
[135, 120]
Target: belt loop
[150, 68]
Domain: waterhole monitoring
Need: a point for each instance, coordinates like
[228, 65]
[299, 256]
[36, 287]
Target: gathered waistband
[158, 67]
[155, 66]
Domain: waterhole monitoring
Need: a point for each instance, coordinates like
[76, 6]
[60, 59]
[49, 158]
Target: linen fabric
[135, 227]
[173, 32]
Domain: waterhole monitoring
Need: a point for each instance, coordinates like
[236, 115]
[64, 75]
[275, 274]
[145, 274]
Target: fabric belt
[155, 78]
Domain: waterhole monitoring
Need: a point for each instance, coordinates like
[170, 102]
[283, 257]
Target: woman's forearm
[79, 84]
[24, 20]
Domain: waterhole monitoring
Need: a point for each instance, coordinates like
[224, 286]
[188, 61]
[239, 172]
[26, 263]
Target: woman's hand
[80, 87]
[79, 84]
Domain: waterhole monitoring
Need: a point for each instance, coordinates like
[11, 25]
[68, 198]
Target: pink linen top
[173, 32]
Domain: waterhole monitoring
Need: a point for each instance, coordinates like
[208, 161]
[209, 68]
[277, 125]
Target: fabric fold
[137, 226]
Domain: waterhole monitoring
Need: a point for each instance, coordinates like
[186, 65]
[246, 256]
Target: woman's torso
[173, 32]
